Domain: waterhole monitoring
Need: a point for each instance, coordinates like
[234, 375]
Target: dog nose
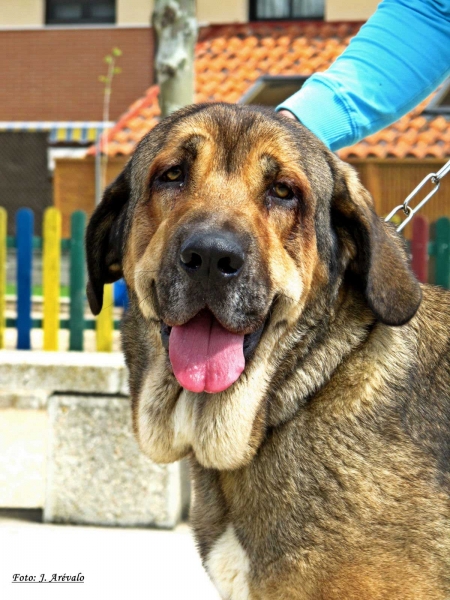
[217, 256]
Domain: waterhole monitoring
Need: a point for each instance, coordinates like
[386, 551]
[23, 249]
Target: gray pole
[175, 26]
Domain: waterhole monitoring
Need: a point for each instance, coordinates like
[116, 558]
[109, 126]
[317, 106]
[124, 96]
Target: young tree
[101, 156]
[175, 27]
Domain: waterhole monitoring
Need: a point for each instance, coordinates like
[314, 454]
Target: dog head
[227, 223]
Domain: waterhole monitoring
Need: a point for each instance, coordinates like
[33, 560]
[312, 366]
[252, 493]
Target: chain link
[435, 179]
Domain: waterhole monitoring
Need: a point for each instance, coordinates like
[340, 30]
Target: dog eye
[173, 174]
[280, 190]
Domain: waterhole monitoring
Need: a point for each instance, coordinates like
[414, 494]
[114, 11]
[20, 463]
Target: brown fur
[322, 473]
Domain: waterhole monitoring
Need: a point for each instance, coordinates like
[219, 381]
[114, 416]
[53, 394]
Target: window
[79, 12]
[24, 173]
[286, 9]
[271, 90]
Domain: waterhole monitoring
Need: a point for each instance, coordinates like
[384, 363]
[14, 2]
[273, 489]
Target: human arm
[395, 61]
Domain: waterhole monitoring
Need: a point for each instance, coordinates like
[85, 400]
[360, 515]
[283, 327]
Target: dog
[277, 337]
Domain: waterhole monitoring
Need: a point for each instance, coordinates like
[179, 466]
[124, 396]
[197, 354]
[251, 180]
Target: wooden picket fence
[52, 245]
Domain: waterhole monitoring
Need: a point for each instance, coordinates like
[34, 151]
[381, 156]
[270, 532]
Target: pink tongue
[206, 357]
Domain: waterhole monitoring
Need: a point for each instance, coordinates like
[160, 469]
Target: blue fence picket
[120, 294]
[24, 235]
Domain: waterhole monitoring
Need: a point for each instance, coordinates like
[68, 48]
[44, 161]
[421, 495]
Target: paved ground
[139, 564]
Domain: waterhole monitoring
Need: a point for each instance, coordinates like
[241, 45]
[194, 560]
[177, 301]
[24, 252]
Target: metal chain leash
[435, 179]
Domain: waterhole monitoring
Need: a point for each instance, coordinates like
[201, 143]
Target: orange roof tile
[230, 58]
[414, 135]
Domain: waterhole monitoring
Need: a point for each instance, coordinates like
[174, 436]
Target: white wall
[22, 13]
[134, 12]
[349, 10]
[225, 11]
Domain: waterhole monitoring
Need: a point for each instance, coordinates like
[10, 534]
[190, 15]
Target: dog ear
[105, 240]
[376, 252]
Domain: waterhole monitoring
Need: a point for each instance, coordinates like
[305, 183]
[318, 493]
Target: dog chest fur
[228, 566]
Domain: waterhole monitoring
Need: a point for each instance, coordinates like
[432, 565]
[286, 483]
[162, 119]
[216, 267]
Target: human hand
[287, 113]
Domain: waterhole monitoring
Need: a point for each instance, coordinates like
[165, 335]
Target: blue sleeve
[396, 60]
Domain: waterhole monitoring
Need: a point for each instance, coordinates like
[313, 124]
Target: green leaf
[117, 52]
[117, 70]
[102, 78]
[108, 59]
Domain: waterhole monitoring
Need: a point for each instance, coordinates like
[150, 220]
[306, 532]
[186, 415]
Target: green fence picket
[77, 281]
[442, 252]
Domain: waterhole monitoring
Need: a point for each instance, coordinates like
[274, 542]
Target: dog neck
[313, 349]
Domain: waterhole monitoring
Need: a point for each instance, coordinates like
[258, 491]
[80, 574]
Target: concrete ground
[116, 563]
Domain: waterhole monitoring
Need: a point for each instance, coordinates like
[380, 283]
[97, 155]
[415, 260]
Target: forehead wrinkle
[268, 158]
[176, 150]
[177, 143]
[192, 143]
[230, 137]
[196, 125]
[270, 165]
[205, 163]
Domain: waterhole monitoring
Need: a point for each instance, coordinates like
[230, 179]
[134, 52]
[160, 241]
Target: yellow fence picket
[3, 256]
[51, 276]
[105, 324]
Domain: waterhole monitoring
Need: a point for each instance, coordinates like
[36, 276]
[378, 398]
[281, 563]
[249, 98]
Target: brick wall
[52, 75]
